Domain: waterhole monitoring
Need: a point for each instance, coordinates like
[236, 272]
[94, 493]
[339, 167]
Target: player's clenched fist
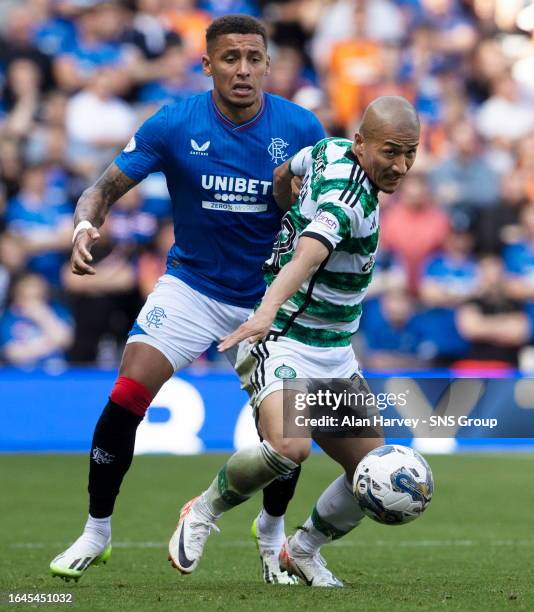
[81, 251]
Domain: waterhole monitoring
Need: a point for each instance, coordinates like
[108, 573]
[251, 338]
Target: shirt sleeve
[147, 150]
[331, 224]
[301, 161]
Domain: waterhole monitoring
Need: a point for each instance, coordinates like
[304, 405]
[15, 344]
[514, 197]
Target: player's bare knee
[146, 365]
[296, 450]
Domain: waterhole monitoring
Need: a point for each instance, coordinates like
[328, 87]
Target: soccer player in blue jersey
[218, 151]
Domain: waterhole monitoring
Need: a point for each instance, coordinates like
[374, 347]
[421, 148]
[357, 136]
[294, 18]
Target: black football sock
[111, 455]
[278, 494]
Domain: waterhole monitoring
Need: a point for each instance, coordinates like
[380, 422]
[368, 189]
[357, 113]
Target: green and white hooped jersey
[338, 205]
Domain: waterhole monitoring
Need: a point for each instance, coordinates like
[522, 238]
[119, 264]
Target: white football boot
[310, 567]
[270, 565]
[74, 562]
[188, 540]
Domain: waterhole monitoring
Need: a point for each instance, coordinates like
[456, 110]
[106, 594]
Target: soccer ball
[393, 484]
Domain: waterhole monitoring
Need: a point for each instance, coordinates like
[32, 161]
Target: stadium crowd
[454, 282]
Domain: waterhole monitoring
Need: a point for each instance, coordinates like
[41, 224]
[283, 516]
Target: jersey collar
[238, 127]
[350, 155]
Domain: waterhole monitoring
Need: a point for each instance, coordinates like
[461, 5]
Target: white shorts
[263, 367]
[182, 323]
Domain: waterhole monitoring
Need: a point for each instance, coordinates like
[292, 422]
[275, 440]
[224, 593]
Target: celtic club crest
[285, 371]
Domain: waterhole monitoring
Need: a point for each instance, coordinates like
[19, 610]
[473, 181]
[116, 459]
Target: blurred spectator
[12, 262]
[51, 31]
[451, 277]
[388, 274]
[413, 228]
[495, 325]
[53, 108]
[174, 79]
[152, 262]
[42, 219]
[22, 97]
[104, 305]
[507, 115]
[34, 332]
[292, 23]
[11, 165]
[454, 37]
[525, 165]
[48, 146]
[129, 225]
[16, 42]
[345, 20]
[97, 122]
[99, 27]
[315, 100]
[352, 65]
[499, 225]
[156, 200]
[218, 8]
[391, 81]
[487, 65]
[519, 259]
[465, 177]
[285, 77]
[147, 31]
[184, 18]
[392, 334]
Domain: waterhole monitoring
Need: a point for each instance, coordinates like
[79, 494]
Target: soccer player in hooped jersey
[217, 151]
[318, 276]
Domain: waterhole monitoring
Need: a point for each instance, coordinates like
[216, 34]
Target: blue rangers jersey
[219, 176]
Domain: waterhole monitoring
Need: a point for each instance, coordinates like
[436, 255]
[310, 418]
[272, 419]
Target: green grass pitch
[472, 550]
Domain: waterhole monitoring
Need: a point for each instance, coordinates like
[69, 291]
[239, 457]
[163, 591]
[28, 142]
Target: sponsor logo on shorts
[155, 317]
[101, 456]
[328, 219]
[284, 371]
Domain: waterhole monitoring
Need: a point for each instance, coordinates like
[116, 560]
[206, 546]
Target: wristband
[81, 226]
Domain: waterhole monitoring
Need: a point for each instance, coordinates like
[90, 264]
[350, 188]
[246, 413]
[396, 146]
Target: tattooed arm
[93, 206]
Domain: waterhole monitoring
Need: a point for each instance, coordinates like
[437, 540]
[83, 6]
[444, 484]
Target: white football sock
[97, 531]
[248, 470]
[335, 514]
[270, 528]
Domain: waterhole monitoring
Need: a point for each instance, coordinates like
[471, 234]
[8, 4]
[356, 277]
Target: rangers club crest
[101, 456]
[155, 317]
[277, 150]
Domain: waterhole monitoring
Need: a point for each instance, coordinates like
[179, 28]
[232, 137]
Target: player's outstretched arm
[309, 256]
[91, 212]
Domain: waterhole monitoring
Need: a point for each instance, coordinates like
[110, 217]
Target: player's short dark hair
[235, 24]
